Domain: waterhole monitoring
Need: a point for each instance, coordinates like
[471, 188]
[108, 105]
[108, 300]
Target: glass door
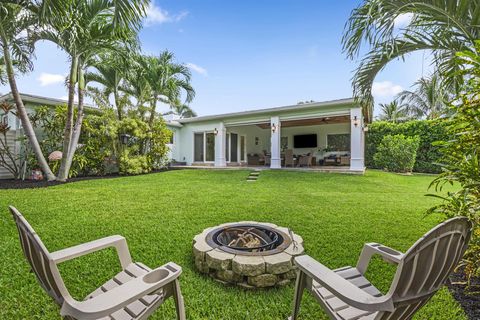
[204, 147]
[209, 146]
[234, 147]
[198, 147]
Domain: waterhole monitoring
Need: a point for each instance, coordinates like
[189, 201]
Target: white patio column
[357, 158]
[275, 128]
[220, 140]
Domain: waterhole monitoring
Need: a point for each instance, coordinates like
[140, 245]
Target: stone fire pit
[248, 253]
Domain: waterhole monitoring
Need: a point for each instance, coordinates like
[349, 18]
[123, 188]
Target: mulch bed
[469, 302]
[31, 184]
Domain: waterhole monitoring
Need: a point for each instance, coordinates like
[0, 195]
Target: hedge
[429, 131]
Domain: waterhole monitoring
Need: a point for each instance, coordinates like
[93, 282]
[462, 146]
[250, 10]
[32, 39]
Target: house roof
[41, 100]
[305, 106]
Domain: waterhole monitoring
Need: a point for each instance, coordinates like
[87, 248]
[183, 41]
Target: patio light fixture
[215, 131]
[274, 127]
[124, 138]
[355, 121]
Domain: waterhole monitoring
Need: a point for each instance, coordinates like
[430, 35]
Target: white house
[326, 130]
[332, 132]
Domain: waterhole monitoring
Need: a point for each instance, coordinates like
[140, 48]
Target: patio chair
[305, 161]
[268, 160]
[134, 293]
[346, 294]
[289, 161]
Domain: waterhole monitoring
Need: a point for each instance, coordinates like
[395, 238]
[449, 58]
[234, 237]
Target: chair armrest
[369, 249]
[121, 296]
[118, 242]
[342, 288]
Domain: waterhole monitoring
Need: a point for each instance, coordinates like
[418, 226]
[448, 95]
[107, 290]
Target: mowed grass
[159, 214]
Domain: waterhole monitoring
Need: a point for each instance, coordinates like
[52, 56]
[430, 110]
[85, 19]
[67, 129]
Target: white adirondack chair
[134, 293]
[346, 294]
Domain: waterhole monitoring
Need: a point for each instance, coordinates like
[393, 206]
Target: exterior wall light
[274, 127]
[124, 138]
[355, 121]
[215, 131]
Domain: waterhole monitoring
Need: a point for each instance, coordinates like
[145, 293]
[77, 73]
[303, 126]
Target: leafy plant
[461, 161]
[428, 131]
[397, 153]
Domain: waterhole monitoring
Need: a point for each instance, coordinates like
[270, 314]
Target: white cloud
[197, 69]
[156, 15]
[47, 79]
[403, 20]
[385, 89]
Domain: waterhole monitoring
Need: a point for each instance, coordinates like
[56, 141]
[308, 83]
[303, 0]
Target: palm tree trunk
[153, 105]
[22, 114]
[67, 134]
[117, 105]
[78, 122]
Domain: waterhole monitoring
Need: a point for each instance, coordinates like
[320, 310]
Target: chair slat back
[38, 257]
[426, 266]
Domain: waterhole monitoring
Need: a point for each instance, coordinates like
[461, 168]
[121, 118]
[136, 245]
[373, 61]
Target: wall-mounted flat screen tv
[305, 141]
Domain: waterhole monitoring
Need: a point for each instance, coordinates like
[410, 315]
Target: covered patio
[327, 136]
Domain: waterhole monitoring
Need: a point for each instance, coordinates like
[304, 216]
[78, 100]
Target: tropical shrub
[428, 131]
[100, 150]
[133, 164]
[397, 153]
[461, 165]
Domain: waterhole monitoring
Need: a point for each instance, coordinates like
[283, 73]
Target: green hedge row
[428, 131]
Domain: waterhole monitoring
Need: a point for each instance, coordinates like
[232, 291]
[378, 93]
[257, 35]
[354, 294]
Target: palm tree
[182, 110]
[428, 100]
[444, 27]
[111, 71]
[393, 112]
[168, 80]
[83, 29]
[17, 51]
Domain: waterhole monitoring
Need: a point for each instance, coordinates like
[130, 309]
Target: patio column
[357, 158]
[275, 129]
[220, 141]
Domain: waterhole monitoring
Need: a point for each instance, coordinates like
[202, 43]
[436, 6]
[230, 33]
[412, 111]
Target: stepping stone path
[253, 176]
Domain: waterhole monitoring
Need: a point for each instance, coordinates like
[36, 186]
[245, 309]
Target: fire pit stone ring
[248, 253]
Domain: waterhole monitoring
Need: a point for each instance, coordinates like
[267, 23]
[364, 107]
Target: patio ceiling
[309, 122]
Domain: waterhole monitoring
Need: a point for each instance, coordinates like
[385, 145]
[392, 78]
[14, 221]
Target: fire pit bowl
[248, 253]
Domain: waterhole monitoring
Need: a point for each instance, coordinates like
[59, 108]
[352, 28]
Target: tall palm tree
[428, 99]
[182, 111]
[83, 29]
[444, 27]
[168, 80]
[17, 50]
[393, 112]
[111, 70]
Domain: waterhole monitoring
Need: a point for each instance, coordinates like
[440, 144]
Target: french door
[204, 147]
[236, 147]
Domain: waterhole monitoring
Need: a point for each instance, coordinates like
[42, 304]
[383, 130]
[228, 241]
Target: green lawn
[160, 213]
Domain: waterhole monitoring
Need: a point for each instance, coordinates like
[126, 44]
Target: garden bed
[469, 302]
[32, 184]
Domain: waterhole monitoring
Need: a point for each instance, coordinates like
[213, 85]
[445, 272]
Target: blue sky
[247, 54]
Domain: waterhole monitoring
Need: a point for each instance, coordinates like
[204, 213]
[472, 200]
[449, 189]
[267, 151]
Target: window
[204, 147]
[338, 142]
